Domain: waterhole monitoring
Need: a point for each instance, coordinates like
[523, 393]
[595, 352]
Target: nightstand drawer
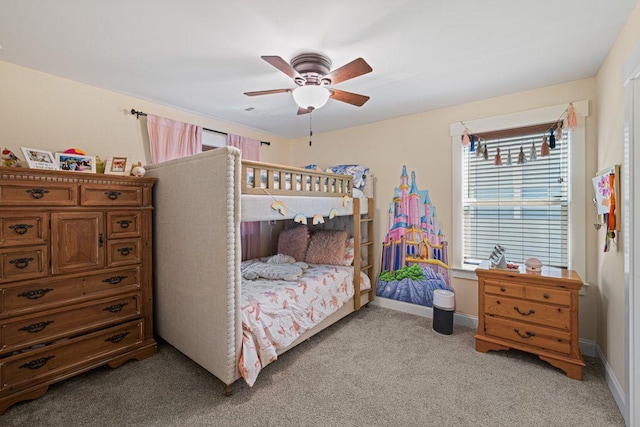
[23, 228]
[504, 288]
[20, 333]
[23, 263]
[68, 355]
[531, 335]
[552, 296]
[99, 195]
[527, 311]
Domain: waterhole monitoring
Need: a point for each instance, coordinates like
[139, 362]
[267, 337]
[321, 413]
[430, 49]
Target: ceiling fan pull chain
[310, 131]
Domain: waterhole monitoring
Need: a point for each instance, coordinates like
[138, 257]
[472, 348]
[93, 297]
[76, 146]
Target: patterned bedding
[275, 313]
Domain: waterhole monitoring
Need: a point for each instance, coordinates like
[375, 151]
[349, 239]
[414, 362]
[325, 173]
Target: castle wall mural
[415, 259]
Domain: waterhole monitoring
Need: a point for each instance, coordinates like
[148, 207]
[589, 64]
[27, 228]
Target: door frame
[631, 135]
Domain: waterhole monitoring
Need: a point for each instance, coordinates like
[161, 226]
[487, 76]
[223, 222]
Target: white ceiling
[201, 56]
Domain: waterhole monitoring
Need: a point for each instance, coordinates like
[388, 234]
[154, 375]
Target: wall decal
[415, 259]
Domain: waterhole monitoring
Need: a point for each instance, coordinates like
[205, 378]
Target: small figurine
[138, 170]
[509, 157]
[485, 152]
[9, 159]
[100, 165]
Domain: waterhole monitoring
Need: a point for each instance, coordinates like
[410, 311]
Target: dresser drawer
[528, 311]
[112, 195]
[23, 228]
[38, 194]
[67, 355]
[499, 287]
[552, 296]
[123, 224]
[23, 263]
[123, 252]
[24, 332]
[38, 295]
[530, 335]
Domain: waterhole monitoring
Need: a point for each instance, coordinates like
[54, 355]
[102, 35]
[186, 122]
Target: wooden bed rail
[358, 222]
[265, 178]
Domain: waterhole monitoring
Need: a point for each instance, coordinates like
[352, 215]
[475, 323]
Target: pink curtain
[170, 139]
[250, 231]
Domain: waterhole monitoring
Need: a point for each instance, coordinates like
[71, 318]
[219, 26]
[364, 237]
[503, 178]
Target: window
[523, 207]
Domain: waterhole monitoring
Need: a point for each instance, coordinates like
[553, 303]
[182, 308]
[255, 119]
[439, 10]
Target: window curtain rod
[143, 114]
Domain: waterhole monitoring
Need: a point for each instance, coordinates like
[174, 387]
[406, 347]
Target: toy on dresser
[9, 159]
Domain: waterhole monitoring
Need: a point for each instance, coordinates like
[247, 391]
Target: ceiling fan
[311, 72]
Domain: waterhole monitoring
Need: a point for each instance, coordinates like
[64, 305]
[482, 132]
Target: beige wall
[609, 112]
[423, 142]
[43, 111]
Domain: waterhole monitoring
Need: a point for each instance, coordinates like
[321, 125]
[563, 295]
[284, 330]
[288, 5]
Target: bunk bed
[200, 202]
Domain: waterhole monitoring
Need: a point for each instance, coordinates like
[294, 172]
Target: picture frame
[39, 159]
[117, 165]
[76, 162]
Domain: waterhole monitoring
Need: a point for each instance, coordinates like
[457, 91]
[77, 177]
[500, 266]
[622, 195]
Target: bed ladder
[360, 221]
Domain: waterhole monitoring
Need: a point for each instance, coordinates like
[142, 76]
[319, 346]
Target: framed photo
[117, 165]
[76, 162]
[39, 159]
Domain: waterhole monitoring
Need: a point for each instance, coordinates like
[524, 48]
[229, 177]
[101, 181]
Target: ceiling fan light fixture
[311, 97]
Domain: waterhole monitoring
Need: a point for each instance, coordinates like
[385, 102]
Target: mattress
[274, 313]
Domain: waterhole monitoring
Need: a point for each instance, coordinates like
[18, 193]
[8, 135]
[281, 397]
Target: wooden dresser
[75, 276]
[536, 313]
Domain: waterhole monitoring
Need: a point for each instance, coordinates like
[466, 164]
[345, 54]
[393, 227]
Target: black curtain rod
[140, 113]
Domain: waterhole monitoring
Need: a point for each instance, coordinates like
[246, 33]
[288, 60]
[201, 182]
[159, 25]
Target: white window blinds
[523, 207]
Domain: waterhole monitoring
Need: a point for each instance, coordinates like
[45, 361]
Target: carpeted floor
[377, 367]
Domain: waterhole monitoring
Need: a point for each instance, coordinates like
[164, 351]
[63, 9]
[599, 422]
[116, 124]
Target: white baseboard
[588, 348]
[613, 384]
[459, 319]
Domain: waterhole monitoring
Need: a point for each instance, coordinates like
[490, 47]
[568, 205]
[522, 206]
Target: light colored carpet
[377, 367]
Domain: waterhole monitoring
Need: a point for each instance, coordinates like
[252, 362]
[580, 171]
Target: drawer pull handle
[37, 193]
[117, 338]
[21, 262]
[100, 240]
[546, 296]
[124, 223]
[36, 327]
[125, 251]
[503, 289]
[114, 280]
[526, 335]
[115, 307]
[515, 307]
[21, 228]
[37, 363]
[35, 294]
[112, 195]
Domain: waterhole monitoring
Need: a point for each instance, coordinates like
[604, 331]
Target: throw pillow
[294, 242]
[349, 252]
[327, 247]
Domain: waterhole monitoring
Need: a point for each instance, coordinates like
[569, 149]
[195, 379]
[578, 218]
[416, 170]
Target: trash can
[443, 307]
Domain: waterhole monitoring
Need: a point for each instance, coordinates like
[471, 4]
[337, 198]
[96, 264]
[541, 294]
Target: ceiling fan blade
[283, 66]
[267, 92]
[355, 68]
[303, 111]
[348, 97]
